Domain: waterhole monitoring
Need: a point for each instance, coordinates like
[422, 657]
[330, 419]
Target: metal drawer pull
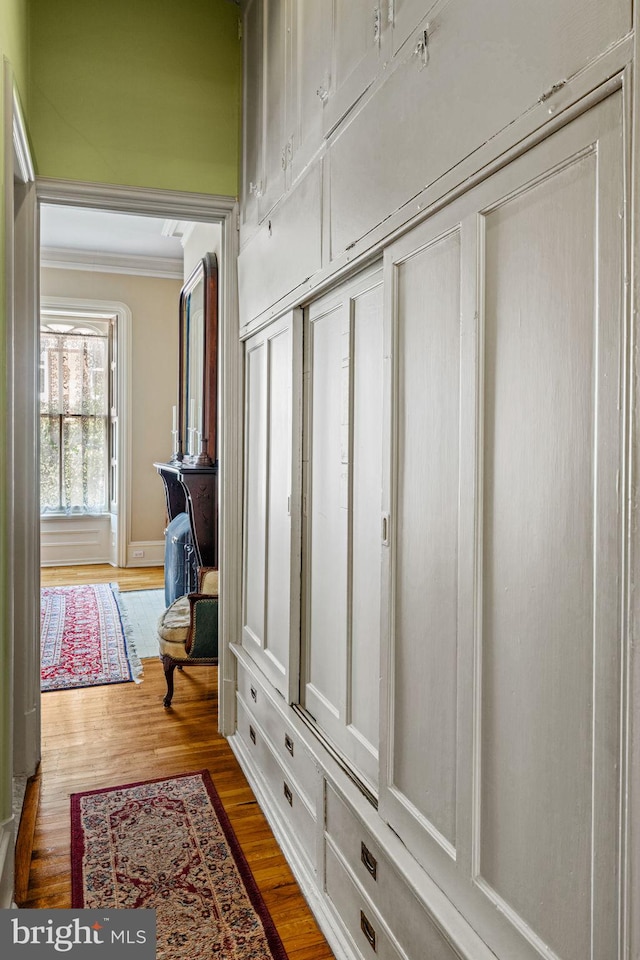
[369, 860]
[288, 742]
[288, 794]
[368, 930]
[252, 734]
[254, 694]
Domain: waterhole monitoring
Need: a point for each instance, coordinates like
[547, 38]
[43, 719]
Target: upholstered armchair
[188, 629]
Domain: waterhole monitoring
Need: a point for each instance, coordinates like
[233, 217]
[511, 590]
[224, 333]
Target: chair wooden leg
[169, 666]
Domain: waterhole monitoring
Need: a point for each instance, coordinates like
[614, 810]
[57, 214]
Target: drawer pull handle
[368, 930]
[254, 694]
[252, 734]
[288, 742]
[288, 794]
[369, 861]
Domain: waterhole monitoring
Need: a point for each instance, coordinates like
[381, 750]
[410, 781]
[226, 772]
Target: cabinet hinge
[239, 28]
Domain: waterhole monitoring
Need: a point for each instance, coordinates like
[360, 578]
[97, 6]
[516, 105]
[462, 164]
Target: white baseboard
[152, 553]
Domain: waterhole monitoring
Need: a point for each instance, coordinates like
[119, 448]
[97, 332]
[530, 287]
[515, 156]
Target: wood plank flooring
[131, 578]
[116, 734]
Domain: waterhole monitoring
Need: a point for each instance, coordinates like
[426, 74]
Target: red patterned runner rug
[82, 638]
[168, 844]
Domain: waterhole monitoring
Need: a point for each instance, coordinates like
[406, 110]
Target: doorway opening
[174, 209]
[99, 500]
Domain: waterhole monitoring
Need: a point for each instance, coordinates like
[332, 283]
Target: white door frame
[177, 205]
[20, 684]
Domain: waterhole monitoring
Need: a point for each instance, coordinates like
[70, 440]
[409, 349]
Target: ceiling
[77, 237]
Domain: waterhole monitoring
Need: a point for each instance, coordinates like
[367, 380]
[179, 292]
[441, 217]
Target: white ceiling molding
[182, 229]
[70, 259]
[24, 166]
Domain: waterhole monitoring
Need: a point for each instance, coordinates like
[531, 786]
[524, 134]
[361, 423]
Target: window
[74, 417]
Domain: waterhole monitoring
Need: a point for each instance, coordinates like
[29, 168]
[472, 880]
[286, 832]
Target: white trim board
[205, 208]
[68, 258]
[105, 310]
[170, 204]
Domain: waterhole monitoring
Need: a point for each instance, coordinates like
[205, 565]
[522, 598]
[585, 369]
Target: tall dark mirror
[198, 386]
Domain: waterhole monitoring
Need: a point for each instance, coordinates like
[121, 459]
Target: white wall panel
[551, 508]
[487, 64]
[528, 583]
[272, 501]
[286, 249]
[357, 31]
[366, 479]
[276, 92]
[255, 511]
[329, 502]
[426, 538]
[252, 109]
[342, 557]
[312, 65]
[279, 497]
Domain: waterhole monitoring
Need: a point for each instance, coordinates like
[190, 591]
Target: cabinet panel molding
[285, 250]
[342, 541]
[252, 110]
[271, 589]
[540, 575]
[422, 118]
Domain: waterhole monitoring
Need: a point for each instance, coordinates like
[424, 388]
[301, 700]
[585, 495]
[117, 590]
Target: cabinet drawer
[382, 883]
[251, 692]
[357, 913]
[283, 739]
[292, 806]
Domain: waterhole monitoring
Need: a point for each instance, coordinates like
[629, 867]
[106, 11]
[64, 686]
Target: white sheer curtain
[74, 407]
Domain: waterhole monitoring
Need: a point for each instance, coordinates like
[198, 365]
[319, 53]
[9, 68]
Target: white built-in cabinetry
[342, 547]
[432, 686]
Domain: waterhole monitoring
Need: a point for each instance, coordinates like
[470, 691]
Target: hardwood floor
[131, 578]
[110, 735]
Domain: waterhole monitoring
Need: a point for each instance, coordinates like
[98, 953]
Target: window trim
[70, 308]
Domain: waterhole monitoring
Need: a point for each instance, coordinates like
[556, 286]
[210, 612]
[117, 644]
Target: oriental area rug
[82, 638]
[168, 845]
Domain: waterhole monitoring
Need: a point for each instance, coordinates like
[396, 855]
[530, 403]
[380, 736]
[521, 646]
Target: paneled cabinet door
[359, 33]
[311, 72]
[501, 711]
[271, 588]
[266, 96]
[252, 112]
[276, 81]
[342, 527]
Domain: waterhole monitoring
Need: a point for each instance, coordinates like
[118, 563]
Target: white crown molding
[24, 164]
[169, 204]
[67, 258]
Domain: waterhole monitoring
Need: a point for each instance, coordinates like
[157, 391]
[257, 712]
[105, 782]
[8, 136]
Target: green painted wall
[136, 92]
[13, 47]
